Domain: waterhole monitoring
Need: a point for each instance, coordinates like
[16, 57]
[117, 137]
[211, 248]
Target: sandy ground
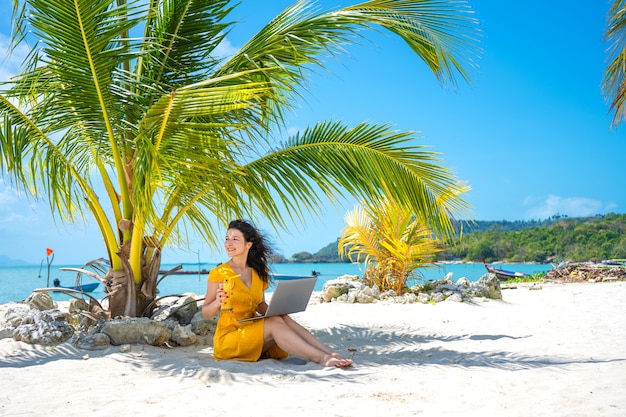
[557, 351]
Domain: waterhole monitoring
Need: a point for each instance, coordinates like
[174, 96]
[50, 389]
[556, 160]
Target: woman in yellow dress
[272, 337]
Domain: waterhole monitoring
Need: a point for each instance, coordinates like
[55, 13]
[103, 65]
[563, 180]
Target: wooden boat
[184, 272]
[291, 277]
[503, 274]
[614, 262]
[82, 287]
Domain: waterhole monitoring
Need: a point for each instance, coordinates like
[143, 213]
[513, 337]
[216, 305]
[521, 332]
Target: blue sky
[531, 136]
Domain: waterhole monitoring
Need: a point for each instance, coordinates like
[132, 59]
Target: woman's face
[235, 244]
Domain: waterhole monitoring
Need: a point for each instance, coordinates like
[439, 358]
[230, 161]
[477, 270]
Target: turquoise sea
[17, 282]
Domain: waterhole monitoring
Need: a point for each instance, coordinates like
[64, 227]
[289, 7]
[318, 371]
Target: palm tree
[391, 241]
[614, 84]
[129, 98]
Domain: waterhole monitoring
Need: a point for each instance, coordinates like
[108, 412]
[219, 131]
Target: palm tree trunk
[127, 298]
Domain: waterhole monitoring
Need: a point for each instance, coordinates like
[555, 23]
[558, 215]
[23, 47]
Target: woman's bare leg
[277, 330]
[309, 338]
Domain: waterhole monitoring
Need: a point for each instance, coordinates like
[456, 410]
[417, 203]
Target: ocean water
[17, 283]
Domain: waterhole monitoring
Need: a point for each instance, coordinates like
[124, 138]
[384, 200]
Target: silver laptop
[290, 296]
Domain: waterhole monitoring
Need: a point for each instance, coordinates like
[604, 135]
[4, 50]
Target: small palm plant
[391, 241]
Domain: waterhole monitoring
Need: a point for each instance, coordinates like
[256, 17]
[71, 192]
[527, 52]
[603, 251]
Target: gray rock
[423, 298]
[446, 288]
[96, 341]
[342, 298]
[438, 297]
[184, 336]
[444, 281]
[40, 301]
[375, 291]
[202, 326]
[387, 294]
[456, 297]
[409, 297]
[6, 333]
[364, 298]
[136, 331]
[46, 328]
[14, 316]
[335, 288]
[78, 305]
[463, 282]
[36, 327]
[492, 284]
[184, 310]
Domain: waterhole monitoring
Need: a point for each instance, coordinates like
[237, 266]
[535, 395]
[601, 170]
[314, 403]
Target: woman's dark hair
[260, 252]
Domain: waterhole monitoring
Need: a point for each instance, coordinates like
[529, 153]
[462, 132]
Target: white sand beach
[557, 351]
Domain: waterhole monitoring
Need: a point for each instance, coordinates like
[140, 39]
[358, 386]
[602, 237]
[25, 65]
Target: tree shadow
[386, 346]
[373, 346]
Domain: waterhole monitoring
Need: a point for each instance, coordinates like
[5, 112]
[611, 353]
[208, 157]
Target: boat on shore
[503, 274]
[81, 287]
[184, 272]
[614, 262]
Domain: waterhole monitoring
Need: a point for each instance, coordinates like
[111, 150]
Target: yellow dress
[241, 341]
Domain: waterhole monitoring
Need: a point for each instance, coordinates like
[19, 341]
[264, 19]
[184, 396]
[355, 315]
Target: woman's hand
[262, 307]
[221, 296]
[213, 300]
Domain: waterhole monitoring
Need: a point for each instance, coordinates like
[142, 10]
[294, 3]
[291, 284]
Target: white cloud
[10, 64]
[14, 207]
[225, 49]
[292, 131]
[569, 206]
[8, 196]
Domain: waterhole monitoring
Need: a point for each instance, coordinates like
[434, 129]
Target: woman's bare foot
[332, 361]
[338, 356]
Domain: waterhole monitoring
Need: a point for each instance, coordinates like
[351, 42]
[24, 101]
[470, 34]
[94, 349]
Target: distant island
[6, 261]
[557, 239]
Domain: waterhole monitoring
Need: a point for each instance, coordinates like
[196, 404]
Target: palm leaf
[614, 82]
[366, 161]
[181, 37]
[300, 39]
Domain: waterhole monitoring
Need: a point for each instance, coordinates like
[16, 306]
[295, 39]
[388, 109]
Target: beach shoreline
[550, 349]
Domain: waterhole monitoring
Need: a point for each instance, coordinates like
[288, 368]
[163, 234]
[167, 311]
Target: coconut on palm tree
[122, 111]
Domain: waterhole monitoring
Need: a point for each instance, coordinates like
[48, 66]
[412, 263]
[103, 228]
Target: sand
[556, 351]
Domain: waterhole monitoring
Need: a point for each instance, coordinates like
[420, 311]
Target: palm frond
[181, 36]
[300, 40]
[614, 82]
[367, 161]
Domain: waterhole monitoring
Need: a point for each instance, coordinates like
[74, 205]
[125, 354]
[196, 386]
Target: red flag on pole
[48, 251]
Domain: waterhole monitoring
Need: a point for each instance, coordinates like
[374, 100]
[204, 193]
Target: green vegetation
[328, 253]
[123, 112]
[390, 241]
[537, 277]
[553, 240]
[560, 239]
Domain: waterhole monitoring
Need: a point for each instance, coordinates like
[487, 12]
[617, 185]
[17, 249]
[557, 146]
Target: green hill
[559, 239]
[556, 239]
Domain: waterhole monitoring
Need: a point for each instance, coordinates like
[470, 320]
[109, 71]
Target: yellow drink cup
[228, 287]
